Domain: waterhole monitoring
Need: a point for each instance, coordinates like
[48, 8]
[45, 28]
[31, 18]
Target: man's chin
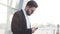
[28, 14]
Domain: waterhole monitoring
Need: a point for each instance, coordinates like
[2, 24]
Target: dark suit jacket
[18, 24]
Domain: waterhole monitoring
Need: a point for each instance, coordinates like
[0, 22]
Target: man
[20, 22]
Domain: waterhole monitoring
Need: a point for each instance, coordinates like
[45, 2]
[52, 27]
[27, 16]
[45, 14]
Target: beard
[27, 12]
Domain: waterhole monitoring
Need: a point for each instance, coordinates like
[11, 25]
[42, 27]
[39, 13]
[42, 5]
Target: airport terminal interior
[46, 17]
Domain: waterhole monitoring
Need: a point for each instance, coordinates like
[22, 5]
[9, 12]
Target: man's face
[30, 10]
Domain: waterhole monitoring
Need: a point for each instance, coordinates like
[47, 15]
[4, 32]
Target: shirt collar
[24, 12]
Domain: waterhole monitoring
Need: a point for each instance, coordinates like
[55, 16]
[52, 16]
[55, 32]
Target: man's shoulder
[19, 12]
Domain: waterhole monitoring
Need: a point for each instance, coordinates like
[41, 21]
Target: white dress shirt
[27, 20]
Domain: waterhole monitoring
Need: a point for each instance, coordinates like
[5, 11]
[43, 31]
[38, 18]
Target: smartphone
[36, 28]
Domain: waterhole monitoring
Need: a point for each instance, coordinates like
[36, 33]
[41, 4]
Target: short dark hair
[32, 4]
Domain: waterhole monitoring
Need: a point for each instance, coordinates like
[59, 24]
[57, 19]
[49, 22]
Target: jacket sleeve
[15, 25]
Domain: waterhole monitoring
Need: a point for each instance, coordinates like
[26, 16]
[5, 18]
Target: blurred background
[46, 16]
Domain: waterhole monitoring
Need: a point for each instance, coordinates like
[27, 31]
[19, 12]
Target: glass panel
[48, 12]
[14, 3]
[3, 9]
[3, 14]
[3, 2]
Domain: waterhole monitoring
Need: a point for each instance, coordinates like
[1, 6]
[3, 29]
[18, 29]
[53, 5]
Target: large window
[48, 12]
[3, 15]
[7, 7]
[3, 11]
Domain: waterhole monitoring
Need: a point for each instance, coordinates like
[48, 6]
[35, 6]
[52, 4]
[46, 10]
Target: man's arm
[15, 22]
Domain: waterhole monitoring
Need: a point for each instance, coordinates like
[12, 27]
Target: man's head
[30, 7]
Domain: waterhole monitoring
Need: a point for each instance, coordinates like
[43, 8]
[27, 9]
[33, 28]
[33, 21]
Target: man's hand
[34, 29]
